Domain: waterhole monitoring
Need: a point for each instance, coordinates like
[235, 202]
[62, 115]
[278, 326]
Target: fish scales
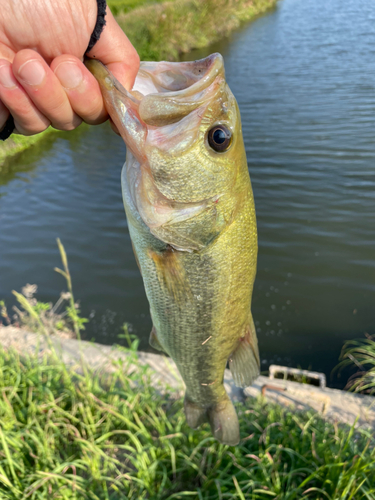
[191, 218]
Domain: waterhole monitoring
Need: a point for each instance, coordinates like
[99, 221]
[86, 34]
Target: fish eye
[219, 138]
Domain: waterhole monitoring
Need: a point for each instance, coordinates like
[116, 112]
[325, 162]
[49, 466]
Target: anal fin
[244, 360]
[154, 341]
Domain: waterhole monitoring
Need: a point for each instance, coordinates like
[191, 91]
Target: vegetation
[125, 6]
[17, 143]
[360, 353]
[70, 436]
[67, 434]
[163, 31]
[62, 318]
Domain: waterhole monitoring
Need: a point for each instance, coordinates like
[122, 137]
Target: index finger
[115, 51]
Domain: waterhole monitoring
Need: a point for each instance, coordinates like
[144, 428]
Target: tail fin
[224, 423]
[222, 417]
[195, 415]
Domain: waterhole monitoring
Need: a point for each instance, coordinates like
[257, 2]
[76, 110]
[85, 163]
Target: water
[304, 77]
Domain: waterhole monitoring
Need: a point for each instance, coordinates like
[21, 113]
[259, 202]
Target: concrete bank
[333, 404]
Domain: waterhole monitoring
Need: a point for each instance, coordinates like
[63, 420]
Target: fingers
[44, 89]
[28, 120]
[81, 88]
[38, 95]
[115, 51]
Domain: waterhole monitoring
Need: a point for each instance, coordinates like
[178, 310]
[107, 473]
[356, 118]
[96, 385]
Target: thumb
[115, 51]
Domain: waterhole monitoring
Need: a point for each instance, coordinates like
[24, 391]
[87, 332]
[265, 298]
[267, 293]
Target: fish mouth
[164, 92]
[173, 90]
[190, 77]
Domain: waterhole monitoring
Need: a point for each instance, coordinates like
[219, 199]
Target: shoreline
[149, 27]
[333, 405]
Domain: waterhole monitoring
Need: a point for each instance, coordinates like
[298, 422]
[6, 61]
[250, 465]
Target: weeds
[72, 310]
[164, 31]
[112, 436]
[62, 318]
[361, 354]
[125, 6]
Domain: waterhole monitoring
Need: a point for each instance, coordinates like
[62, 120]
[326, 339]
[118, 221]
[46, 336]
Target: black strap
[8, 129]
[99, 26]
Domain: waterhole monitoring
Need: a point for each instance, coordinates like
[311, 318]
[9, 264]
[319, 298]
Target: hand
[43, 80]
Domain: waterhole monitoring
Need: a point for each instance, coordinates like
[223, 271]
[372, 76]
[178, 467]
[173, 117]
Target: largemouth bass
[191, 217]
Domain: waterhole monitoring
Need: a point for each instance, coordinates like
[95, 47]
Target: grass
[17, 143]
[96, 436]
[125, 6]
[360, 353]
[164, 31]
[78, 434]
[62, 318]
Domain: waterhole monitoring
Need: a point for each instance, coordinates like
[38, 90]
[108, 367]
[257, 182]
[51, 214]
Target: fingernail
[6, 77]
[69, 74]
[32, 72]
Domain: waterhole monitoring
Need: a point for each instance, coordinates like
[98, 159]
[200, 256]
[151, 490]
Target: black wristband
[8, 129]
[99, 26]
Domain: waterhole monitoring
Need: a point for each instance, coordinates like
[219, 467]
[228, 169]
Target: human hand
[43, 80]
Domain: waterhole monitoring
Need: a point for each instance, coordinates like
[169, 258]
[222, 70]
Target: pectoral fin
[244, 361]
[171, 273]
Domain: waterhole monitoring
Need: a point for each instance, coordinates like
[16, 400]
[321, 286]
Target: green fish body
[191, 217]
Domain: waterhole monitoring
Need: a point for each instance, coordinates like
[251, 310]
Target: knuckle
[28, 131]
[31, 124]
[133, 60]
[68, 126]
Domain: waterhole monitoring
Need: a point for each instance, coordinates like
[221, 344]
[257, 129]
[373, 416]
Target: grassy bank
[70, 436]
[125, 6]
[17, 143]
[163, 30]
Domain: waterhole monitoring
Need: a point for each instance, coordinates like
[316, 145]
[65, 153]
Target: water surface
[304, 78]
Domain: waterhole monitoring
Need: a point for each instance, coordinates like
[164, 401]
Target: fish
[191, 217]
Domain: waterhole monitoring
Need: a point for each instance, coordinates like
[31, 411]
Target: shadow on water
[303, 78]
[28, 160]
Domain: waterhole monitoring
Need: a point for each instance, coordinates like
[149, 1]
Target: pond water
[304, 78]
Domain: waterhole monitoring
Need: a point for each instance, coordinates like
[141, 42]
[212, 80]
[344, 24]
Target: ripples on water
[304, 79]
